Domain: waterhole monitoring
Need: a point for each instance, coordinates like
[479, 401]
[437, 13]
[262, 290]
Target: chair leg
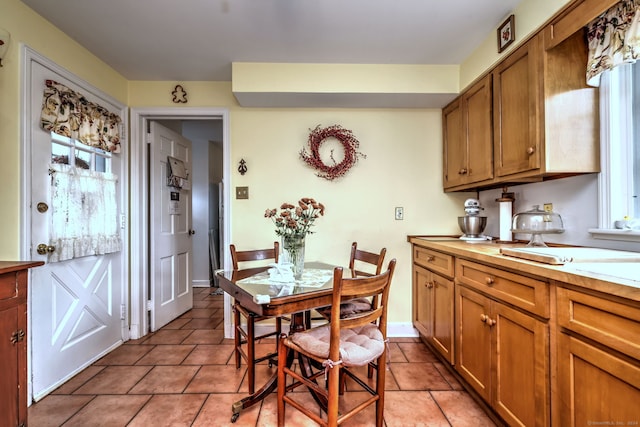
[251, 355]
[307, 319]
[370, 368]
[237, 336]
[333, 390]
[380, 382]
[282, 379]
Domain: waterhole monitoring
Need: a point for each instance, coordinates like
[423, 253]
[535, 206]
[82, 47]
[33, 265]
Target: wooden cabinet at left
[13, 342]
[433, 299]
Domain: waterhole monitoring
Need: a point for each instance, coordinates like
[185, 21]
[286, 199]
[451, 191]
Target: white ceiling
[193, 40]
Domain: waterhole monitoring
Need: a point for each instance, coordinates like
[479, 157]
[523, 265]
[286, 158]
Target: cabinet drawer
[611, 323]
[8, 286]
[523, 292]
[433, 260]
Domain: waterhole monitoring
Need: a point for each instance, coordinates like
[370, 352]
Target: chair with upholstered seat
[358, 260]
[338, 346]
[247, 337]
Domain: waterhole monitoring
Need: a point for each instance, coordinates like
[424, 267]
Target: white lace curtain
[614, 39]
[84, 213]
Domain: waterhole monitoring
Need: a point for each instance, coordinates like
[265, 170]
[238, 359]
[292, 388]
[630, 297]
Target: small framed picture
[506, 33]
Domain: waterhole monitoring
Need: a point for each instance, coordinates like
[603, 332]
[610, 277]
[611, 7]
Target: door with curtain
[77, 300]
[170, 226]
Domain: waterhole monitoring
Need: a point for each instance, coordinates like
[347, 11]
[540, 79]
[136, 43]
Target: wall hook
[243, 167]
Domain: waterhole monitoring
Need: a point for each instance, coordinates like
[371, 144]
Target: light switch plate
[399, 213]
[242, 192]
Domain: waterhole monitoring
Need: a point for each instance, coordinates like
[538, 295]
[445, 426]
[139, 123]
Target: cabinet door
[520, 391]
[476, 103]
[442, 316]
[455, 145]
[596, 385]
[422, 300]
[9, 368]
[517, 98]
[473, 358]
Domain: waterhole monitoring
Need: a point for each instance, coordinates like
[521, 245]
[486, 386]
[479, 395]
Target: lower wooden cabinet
[596, 386]
[598, 359]
[13, 343]
[536, 350]
[503, 354]
[433, 315]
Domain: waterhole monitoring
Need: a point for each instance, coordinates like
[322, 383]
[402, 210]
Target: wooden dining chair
[362, 264]
[246, 337]
[338, 346]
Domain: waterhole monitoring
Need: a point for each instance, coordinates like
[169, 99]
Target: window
[620, 152]
[84, 156]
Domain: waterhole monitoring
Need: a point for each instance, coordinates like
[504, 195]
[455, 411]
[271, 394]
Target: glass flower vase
[293, 251]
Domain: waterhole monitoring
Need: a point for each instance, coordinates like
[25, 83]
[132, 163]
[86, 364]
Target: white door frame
[139, 209]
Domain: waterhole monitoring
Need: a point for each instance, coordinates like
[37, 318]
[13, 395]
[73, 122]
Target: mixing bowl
[472, 225]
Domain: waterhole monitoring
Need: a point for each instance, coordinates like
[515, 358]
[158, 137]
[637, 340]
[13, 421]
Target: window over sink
[619, 197]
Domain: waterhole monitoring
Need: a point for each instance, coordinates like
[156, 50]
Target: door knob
[43, 249]
[192, 232]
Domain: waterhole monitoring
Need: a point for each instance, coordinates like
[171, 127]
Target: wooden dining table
[253, 289]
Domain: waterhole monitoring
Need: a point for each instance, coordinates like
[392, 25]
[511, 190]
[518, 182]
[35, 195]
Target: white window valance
[70, 114]
[614, 39]
[84, 213]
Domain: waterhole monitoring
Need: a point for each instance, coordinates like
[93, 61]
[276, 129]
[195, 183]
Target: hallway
[184, 375]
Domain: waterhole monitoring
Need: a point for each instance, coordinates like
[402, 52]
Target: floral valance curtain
[614, 39]
[84, 213]
[70, 114]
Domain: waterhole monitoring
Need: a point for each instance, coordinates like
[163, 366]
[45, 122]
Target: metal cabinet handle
[192, 232]
[429, 285]
[489, 280]
[531, 150]
[491, 322]
[483, 318]
[431, 258]
[462, 171]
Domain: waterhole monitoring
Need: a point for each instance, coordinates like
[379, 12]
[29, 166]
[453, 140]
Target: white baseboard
[394, 329]
[201, 283]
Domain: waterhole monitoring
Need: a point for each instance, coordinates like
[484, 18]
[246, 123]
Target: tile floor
[184, 375]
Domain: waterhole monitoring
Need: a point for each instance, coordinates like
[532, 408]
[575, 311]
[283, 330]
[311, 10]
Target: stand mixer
[472, 224]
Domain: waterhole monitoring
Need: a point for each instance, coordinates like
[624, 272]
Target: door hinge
[17, 336]
[123, 312]
[149, 305]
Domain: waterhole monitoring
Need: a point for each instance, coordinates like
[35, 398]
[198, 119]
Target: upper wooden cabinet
[517, 83]
[572, 19]
[536, 107]
[468, 131]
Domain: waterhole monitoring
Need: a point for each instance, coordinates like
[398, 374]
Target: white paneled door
[77, 307]
[170, 227]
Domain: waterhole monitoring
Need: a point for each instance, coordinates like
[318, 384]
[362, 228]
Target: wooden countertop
[11, 266]
[577, 274]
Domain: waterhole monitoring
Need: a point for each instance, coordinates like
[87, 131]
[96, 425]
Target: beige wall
[26, 27]
[403, 167]
[529, 16]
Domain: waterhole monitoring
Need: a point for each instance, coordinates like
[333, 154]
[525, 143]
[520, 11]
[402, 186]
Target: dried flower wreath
[349, 143]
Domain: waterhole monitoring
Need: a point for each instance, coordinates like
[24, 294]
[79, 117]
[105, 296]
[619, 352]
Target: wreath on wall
[311, 154]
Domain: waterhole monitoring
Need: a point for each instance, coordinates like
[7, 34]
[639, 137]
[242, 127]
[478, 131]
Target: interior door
[170, 228]
[76, 307]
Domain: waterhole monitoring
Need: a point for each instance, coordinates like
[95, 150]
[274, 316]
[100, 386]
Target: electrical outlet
[548, 207]
[399, 214]
[242, 192]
